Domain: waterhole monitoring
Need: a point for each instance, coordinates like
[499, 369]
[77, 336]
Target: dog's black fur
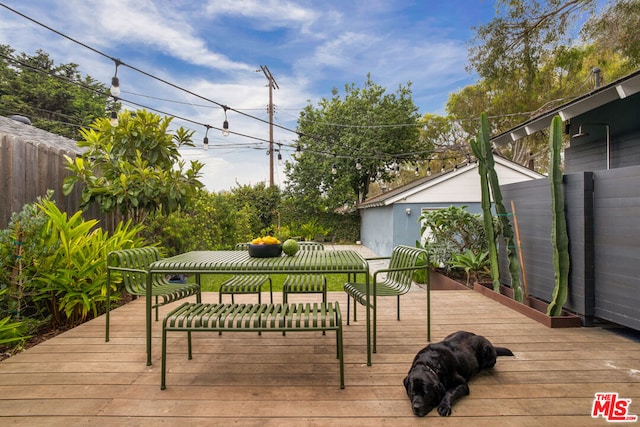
[440, 371]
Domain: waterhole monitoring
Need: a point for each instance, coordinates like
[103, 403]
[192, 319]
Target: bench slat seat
[200, 317]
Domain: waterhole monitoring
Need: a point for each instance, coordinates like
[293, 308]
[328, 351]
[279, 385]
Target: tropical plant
[451, 231]
[472, 264]
[559, 235]
[73, 277]
[11, 332]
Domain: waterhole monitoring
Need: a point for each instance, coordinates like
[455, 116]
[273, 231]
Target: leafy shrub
[451, 231]
[73, 277]
[53, 267]
[209, 222]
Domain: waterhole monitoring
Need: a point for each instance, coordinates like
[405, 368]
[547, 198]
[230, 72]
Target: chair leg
[348, 306]
[164, 358]
[398, 307]
[375, 322]
[108, 307]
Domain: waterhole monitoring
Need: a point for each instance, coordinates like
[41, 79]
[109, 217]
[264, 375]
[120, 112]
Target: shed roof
[424, 183]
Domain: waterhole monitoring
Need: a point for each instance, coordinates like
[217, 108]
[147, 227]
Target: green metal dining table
[239, 262]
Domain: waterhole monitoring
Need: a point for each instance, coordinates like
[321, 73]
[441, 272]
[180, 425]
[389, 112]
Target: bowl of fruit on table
[265, 247]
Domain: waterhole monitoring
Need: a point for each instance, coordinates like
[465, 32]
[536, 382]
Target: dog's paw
[444, 410]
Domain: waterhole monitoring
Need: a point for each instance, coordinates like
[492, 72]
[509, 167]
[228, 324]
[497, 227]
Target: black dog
[440, 371]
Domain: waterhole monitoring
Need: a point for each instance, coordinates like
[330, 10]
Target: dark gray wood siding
[603, 219]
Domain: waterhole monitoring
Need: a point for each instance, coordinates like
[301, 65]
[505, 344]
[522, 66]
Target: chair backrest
[133, 265]
[311, 246]
[409, 259]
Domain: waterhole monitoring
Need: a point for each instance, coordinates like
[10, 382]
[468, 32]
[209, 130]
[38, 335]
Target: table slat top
[348, 261]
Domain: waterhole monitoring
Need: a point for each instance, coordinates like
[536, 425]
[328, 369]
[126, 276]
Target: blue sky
[213, 48]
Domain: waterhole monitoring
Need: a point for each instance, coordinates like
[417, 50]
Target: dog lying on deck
[440, 371]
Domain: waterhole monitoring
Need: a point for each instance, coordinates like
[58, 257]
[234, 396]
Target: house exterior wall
[588, 153]
[376, 229]
[386, 227]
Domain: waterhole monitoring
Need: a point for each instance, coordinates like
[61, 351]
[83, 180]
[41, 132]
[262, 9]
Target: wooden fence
[29, 169]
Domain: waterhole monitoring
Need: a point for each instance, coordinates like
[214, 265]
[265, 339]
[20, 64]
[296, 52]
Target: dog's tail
[503, 351]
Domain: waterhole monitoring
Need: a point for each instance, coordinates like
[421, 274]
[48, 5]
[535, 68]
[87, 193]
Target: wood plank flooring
[77, 379]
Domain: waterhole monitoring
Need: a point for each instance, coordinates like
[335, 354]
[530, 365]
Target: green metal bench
[398, 277]
[132, 266]
[305, 283]
[245, 283]
[190, 317]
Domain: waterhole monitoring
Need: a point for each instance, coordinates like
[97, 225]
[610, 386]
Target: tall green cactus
[559, 236]
[477, 146]
[503, 216]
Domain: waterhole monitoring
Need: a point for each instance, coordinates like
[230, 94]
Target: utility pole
[272, 85]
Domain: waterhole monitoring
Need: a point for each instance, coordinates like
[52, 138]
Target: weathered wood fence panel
[28, 169]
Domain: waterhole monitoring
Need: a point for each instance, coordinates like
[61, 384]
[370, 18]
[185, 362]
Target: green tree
[56, 98]
[529, 62]
[134, 168]
[615, 31]
[362, 136]
[262, 200]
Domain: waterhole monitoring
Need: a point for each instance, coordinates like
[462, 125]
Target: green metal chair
[305, 283]
[245, 283]
[398, 277]
[132, 266]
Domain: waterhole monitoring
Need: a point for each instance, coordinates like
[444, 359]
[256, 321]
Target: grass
[211, 282]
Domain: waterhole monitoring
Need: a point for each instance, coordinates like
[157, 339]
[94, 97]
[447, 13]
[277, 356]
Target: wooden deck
[76, 379]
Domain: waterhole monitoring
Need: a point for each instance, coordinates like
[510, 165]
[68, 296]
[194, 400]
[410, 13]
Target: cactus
[507, 231]
[559, 236]
[478, 150]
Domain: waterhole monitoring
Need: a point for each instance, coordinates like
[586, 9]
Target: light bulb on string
[225, 124]
[205, 141]
[114, 119]
[114, 90]
[428, 168]
[279, 158]
[358, 164]
[334, 170]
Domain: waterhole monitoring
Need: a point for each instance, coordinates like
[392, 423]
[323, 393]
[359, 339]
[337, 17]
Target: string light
[115, 92]
[114, 119]
[358, 165]
[115, 82]
[334, 170]
[428, 167]
[225, 124]
[205, 141]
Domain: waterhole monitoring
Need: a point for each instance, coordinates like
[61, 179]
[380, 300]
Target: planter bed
[536, 309]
